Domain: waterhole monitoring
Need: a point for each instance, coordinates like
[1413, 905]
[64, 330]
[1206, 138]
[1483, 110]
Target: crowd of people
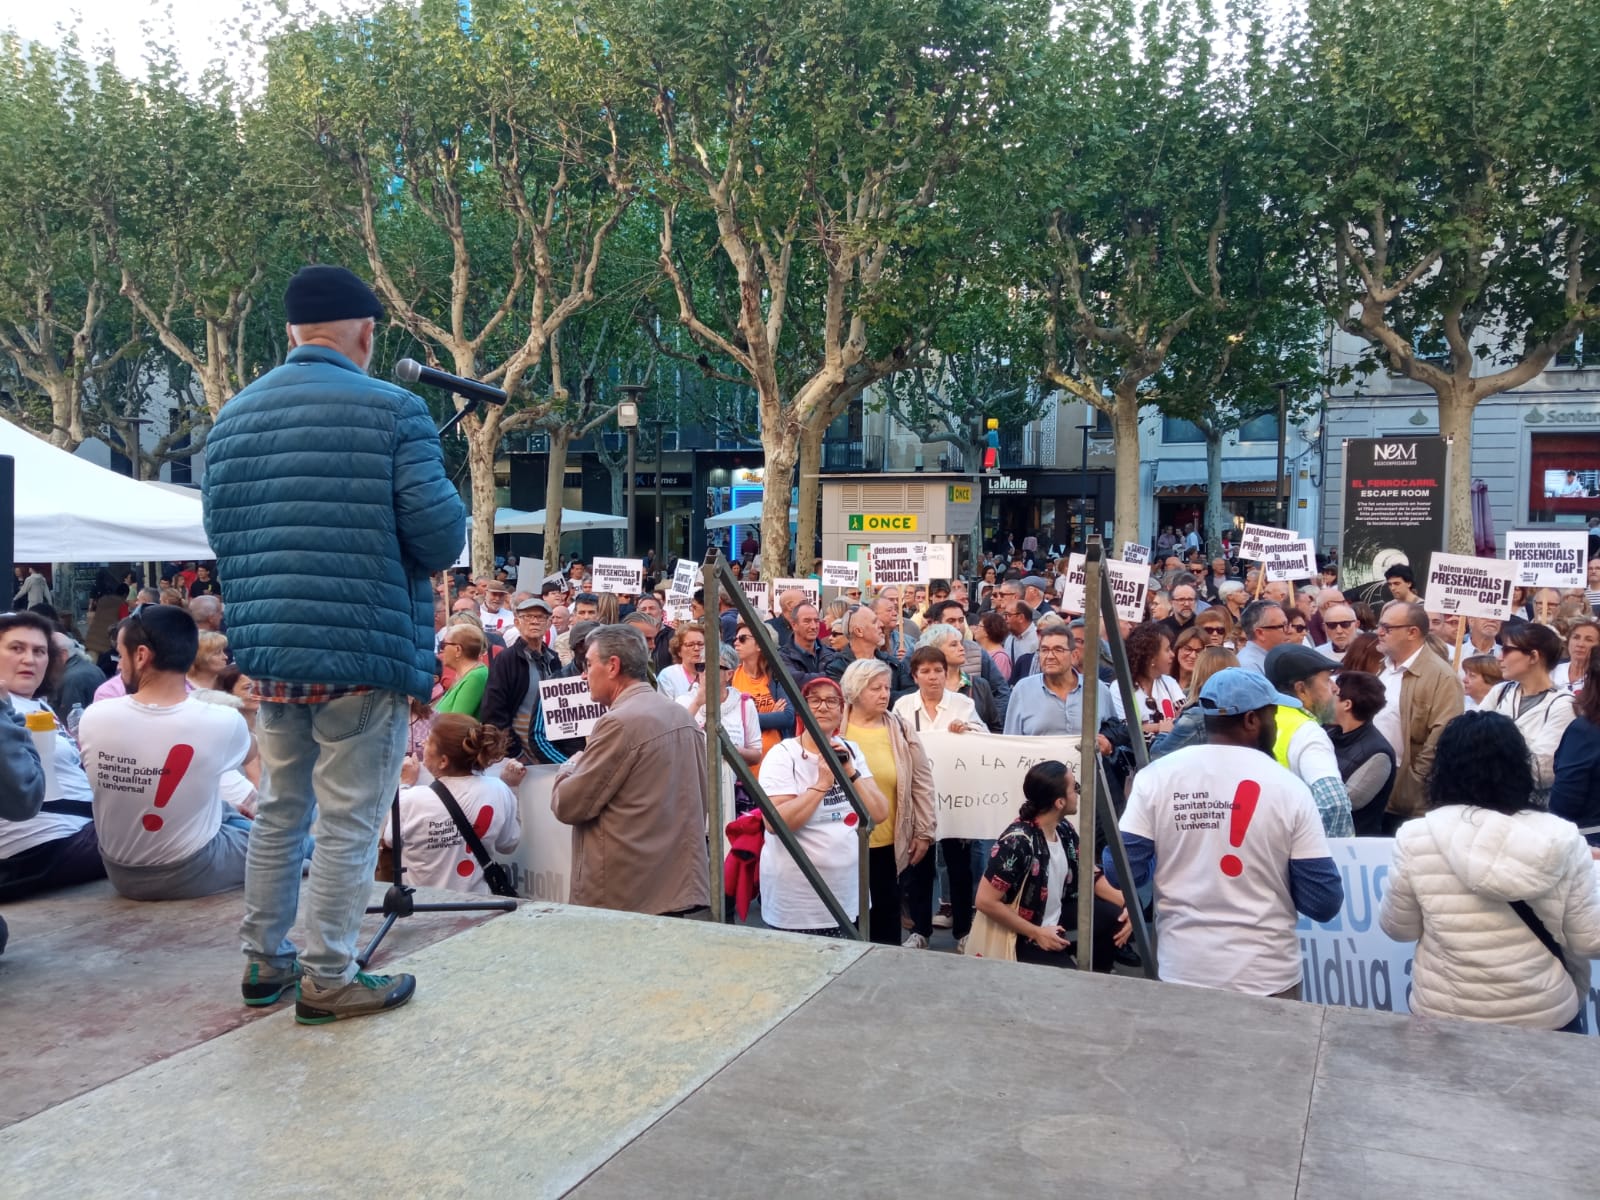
[226, 727]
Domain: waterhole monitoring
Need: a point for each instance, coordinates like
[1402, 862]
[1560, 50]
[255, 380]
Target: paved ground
[559, 1050]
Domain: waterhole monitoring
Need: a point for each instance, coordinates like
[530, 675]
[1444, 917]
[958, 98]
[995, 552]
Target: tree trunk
[481, 445]
[1456, 409]
[808, 506]
[619, 537]
[66, 414]
[554, 487]
[782, 447]
[1211, 529]
[1125, 444]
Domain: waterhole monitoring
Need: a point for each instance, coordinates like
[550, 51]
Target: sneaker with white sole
[942, 919]
[362, 996]
[914, 941]
[264, 984]
[961, 945]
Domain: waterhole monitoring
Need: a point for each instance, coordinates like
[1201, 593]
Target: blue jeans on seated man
[338, 761]
[218, 866]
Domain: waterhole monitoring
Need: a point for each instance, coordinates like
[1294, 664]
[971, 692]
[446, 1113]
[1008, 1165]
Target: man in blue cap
[1235, 846]
[323, 484]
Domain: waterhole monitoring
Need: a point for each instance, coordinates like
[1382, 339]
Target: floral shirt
[1021, 859]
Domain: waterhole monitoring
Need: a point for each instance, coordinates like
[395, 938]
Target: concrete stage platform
[560, 1051]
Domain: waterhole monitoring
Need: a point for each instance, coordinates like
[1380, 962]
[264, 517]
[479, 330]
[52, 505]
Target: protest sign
[569, 710]
[941, 560]
[1350, 960]
[685, 578]
[897, 563]
[678, 611]
[1557, 560]
[623, 576]
[1257, 538]
[808, 586]
[541, 865]
[1289, 561]
[1135, 552]
[841, 574]
[977, 777]
[1464, 586]
[1129, 582]
[759, 593]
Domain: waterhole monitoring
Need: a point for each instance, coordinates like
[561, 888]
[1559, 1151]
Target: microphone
[409, 370]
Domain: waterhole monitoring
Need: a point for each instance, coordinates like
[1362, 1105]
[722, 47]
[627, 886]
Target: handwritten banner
[977, 777]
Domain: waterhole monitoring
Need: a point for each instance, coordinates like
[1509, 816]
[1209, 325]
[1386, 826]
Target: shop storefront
[1058, 507]
[859, 510]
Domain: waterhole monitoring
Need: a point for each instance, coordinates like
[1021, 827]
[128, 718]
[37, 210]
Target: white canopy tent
[69, 510]
[512, 520]
[745, 514]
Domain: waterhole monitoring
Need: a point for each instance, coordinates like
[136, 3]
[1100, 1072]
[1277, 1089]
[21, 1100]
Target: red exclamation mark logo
[480, 826]
[1244, 807]
[172, 772]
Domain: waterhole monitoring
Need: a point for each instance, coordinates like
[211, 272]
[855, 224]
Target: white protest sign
[684, 578]
[1129, 582]
[541, 865]
[897, 563]
[841, 574]
[1557, 560]
[678, 611]
[941, 560]
[1135, 552]
[1463, 586]
[759, 593]
[569, 710]
[1289, 561]
[1257, 538]
[464, 559]
[618, 575]
[1350, 960]
[808, 586]
[977, 777]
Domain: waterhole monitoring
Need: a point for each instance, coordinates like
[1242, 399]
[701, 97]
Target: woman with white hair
[1234, 597]
[946, 696]
[901, 769]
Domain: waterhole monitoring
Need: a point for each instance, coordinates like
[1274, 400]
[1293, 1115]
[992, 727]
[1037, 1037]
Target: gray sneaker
[264, 984]
[364, 994]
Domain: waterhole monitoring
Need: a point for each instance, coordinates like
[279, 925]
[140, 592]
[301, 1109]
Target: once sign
[883, 522]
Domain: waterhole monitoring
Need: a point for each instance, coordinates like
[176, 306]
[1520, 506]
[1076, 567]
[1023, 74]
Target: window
[1260, 429]
[1584, 351]
[1177, 431]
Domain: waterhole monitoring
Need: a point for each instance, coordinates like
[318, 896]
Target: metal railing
[717, 579]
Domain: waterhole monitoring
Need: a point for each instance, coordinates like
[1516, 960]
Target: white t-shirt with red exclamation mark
[434, 852]
[156, 772]
[1226, 822]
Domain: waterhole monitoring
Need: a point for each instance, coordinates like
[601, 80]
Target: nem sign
[883, 522]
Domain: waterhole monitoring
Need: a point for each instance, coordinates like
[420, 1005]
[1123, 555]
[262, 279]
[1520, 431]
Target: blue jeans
[340, 762]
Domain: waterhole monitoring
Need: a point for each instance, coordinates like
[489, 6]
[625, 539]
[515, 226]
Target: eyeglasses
[824, 703]
[1297, 626]
[1190, 648]
[1327, 624]
[742, 639]
[1383, 629]
[1052, 651]
[1279, 625]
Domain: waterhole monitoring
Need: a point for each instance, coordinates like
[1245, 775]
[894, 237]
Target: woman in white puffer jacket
[1457, 869]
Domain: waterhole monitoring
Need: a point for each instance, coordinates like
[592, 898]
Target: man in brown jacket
[1423, 695]
[636, 795]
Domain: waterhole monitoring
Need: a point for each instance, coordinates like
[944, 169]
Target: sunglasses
[742, 639]
[1337, 624]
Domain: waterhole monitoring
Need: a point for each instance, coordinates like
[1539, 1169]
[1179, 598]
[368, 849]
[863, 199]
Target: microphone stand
[397, 901]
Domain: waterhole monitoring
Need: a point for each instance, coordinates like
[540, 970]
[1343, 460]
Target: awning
[511, 520]
[1181, 474]
[745, 514]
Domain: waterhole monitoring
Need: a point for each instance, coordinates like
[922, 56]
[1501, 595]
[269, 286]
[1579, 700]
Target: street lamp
[661, 541]
[1283, 412]
[628, 422]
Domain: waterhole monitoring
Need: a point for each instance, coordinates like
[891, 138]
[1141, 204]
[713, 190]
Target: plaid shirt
[275, 691]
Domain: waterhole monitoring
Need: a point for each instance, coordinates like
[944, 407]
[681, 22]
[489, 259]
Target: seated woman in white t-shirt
[436, 853]
[825, 824]
[688, 650]
[57, 847]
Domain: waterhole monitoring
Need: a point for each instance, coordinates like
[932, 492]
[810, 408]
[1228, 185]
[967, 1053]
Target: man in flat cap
[320, 480]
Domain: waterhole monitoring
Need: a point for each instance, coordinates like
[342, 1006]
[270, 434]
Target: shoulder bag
[494, 874]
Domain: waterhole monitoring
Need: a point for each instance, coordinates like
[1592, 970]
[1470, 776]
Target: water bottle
[73, 718]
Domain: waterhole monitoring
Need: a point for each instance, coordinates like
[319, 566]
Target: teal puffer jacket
[327, 504]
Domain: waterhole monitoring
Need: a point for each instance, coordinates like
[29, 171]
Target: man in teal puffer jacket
[327, 504]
